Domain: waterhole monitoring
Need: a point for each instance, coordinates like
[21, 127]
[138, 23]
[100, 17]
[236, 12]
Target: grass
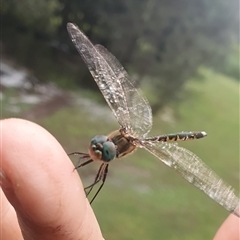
[143, 198]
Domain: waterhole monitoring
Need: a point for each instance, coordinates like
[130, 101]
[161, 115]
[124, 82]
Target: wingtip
[71, 26]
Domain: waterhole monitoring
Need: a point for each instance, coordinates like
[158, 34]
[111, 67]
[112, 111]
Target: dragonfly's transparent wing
[113, 82]
[194, 170]
[139, 109]
[104, 76]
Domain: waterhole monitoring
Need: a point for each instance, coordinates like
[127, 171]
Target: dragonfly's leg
[96, 180]
[83, 164]
[84, 155]
[103, 177]
[181, 136]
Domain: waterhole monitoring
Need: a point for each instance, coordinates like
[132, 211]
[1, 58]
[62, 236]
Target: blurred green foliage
[165, 41]
[231, 64]
[36, 16]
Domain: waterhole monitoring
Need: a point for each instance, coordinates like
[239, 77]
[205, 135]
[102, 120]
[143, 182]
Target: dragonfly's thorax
[124, 144]
[102, 149]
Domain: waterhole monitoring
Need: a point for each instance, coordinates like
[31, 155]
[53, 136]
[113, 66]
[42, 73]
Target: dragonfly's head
[102, 148]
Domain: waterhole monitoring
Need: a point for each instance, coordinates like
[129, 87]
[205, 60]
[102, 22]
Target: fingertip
[230, 229]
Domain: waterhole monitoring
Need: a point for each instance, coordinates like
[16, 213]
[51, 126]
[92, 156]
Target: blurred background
[184, 55]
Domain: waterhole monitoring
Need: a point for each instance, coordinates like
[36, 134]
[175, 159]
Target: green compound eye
[109, 151]
[99, 139]
[102, 148]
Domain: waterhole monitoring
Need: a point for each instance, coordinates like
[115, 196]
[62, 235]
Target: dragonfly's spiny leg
[84, 155]
[182, 136]
[104, 176]
[96, 180]
[83, 164]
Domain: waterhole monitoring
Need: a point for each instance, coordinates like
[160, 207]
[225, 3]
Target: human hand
[42, 197]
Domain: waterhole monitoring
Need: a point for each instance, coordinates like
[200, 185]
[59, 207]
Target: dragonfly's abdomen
[182, 136]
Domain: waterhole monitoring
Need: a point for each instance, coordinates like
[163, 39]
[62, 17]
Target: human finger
[39, 181]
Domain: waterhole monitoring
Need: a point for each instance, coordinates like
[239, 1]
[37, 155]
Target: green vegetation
[163, 41]
[144, 199]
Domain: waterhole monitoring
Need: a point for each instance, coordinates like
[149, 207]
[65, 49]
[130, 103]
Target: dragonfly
[134, 115]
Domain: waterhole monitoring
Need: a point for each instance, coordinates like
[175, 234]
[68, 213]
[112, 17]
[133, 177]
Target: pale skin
[38, 180]
[42, 197]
